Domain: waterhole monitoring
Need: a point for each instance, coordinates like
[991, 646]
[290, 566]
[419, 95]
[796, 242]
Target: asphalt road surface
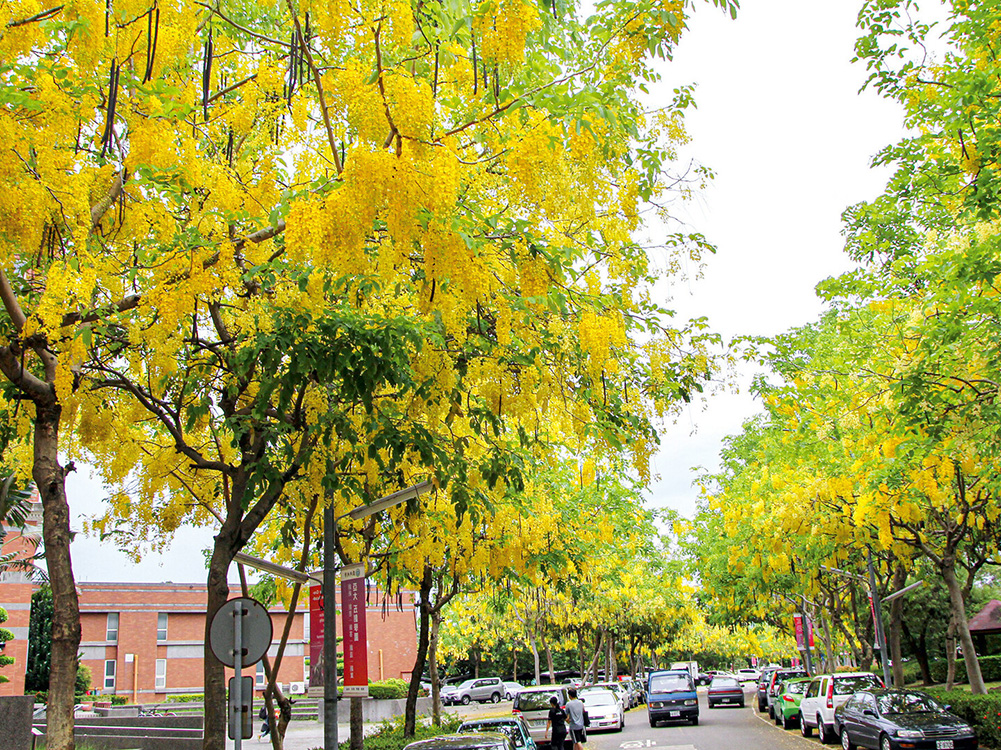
[719, 729]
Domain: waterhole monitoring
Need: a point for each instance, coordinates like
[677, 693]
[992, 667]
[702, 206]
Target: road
[718, 729]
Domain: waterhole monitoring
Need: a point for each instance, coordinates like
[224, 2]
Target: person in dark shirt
[558, 721]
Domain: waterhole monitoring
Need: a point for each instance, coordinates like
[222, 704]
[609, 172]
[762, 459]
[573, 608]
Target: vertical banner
[316, 631]
[355, 636]
[797, 621]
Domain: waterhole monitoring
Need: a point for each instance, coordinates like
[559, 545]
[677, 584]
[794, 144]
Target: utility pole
[877, 616]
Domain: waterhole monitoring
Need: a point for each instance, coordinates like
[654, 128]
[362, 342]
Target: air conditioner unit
[297, 688]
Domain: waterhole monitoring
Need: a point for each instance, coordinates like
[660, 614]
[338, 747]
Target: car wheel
[822, 734]
[846, 741]
[495, 698]
[761, 705]
[653, 723]
[695, 721]
[771, 712]
[884, 743]
[788, 722]
[465, 700]
[804, 729]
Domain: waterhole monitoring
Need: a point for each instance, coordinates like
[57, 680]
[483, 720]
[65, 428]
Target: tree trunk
[423, 636]
[476, 662]
[514, 669]
[919, 648]
[973, 674]
[549, 661]
[216, 709]
[357, 725]
[950, 655]
[50, 478]
[828, 644]
[433, 668]
[535, 658]
[896, 621]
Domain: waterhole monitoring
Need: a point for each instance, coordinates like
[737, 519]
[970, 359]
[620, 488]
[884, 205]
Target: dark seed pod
[207, 76]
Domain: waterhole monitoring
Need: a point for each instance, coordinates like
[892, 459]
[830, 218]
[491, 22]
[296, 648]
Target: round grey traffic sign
[256, 633]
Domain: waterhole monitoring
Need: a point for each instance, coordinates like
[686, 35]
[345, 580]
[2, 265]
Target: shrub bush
[119, 700]
[391, 688]
[983, 712]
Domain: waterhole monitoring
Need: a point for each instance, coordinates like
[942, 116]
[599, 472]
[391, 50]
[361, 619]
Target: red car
[724, 690]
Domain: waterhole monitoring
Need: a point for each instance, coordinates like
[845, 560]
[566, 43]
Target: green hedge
[990, 668]
[983, 712]
[185, 698]
[391, 688]
[389, 735]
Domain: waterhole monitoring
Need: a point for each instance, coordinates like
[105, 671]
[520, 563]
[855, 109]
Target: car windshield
[533, 701]
[719, 682]
[907, 703]
[598, 698]
[467, 683]
[851, 685]
[670, 683]
[798, 688]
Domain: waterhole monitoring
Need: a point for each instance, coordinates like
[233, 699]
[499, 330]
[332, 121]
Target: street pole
[877, 615]
[329, 588]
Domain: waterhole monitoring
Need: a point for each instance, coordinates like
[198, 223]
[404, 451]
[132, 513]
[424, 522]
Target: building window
[109, 674]
[161, 674]
[112, 633]
[161, 627]
[261, 682]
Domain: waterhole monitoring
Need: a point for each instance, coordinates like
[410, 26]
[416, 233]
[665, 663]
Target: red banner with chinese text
[355, 635]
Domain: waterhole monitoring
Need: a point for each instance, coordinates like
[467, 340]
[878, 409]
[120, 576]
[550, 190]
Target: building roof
[987, 620]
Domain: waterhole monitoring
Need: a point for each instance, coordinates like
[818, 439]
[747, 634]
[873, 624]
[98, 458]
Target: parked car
[790, 693]
[763, 682]
[636, 690]
[619, 688]
[725, 691]
[671, 696]
[748, 675]
[896, 719]
[482, 690]
[532, 704]
[604, 710]
[777, 677]
[823, 696]
[514, 726]
[466, 741]
[511, 689]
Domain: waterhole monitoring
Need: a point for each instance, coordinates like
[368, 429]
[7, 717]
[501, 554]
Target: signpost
[239, 635]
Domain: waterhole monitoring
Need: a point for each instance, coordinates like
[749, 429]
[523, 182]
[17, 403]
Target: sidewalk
[302, 735]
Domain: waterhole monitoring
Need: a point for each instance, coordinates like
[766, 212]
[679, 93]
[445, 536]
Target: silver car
[482, 689]
[532, 704]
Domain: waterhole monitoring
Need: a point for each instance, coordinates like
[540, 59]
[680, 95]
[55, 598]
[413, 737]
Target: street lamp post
[330, 594]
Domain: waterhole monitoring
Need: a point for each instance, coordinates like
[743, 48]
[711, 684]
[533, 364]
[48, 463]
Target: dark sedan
[900, 719]
[725, 691]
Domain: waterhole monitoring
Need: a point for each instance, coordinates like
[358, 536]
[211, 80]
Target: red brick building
[16, 589]
[145, 640]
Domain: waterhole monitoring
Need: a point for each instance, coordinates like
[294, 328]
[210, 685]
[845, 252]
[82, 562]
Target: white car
[604, 710]
[619, 688]
[748, 675]
[825, 693]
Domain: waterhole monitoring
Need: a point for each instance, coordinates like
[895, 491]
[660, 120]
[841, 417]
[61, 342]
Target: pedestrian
[575, 718]
[558, 721]
[265, 727]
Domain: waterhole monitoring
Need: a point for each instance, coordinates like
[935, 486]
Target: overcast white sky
[781, 122]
